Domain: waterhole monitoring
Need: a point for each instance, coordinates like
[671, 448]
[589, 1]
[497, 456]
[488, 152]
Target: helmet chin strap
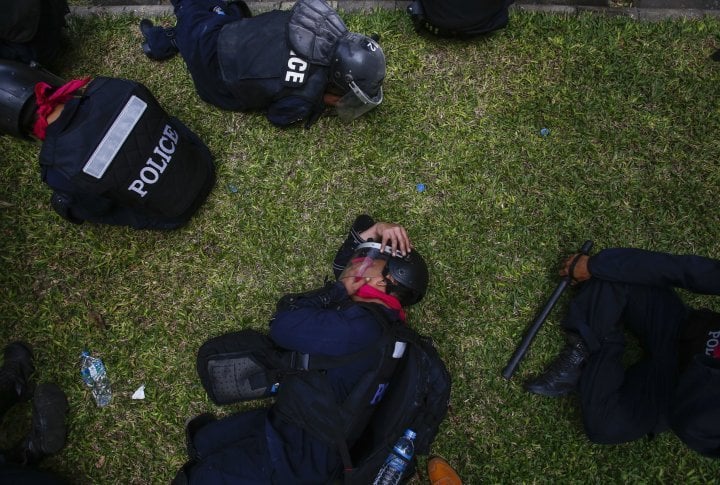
[390, 285]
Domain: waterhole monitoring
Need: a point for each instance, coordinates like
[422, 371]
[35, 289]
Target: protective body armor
[115, 156]
[260, 66]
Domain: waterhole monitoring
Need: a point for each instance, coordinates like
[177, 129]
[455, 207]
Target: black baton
[522, 349]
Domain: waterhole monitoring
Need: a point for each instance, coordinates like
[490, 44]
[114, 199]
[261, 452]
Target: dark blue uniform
[242, 64]
[255, 447]
[633, 290]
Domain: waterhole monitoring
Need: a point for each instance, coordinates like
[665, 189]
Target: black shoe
[159, 42]
[562, 375]
[48, 432]
[15, 374]
[192, 426]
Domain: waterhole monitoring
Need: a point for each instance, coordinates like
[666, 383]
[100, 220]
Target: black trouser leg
[619, 404]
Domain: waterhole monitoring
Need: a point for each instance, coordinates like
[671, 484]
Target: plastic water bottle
[397, 461]
[93, 373]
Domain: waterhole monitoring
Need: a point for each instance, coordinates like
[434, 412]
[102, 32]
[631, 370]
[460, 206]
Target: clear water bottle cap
[410, 434]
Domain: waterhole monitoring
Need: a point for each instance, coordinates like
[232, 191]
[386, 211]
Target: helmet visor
[368, 262]
[356, 103]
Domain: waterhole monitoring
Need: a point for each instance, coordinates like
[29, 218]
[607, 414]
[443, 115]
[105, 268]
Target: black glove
[62, 204]
[318, 298]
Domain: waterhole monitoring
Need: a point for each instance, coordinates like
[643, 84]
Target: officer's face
[372, 273]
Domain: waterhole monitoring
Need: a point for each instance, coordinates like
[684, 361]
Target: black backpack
[246, 365]
[459, 18]
[417, 398]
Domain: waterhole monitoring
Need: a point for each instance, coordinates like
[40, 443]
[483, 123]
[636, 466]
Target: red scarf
[367, 291]
[47, 100]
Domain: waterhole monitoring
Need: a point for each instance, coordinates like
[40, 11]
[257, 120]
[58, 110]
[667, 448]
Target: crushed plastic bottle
[94, 375]
[397, 461]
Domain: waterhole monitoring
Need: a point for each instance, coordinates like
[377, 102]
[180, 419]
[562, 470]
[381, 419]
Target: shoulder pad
[314, 29]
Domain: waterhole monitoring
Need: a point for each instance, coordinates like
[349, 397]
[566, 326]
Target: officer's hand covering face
[406, 277]
[367, 269]
[369, 263]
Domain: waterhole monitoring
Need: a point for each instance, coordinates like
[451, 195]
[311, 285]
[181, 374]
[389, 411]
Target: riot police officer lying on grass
[111, 154]
[676, 383]
[346, 321]
[292, 64]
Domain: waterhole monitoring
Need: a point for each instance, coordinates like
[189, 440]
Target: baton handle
[524, 345]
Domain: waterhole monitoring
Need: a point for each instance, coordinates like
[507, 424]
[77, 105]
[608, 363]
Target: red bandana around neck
[48, 99]
[367, 291]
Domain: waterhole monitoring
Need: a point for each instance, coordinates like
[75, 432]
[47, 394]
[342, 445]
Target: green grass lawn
[631, 160]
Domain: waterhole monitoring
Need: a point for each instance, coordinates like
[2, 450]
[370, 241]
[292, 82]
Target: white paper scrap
[139, 393]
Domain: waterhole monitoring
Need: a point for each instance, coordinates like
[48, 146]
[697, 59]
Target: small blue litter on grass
[544, 132]
[420, 187]
[232, 188]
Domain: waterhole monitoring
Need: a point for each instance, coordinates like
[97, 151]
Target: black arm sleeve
[636, 266]
[362, 223]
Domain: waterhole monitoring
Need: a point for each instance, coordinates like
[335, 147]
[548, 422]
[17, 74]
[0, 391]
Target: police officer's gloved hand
[320, 298]
[576, 267]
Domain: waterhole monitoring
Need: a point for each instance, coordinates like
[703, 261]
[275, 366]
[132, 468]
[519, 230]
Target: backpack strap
[247, 365]
[341, 424]
[400, 331]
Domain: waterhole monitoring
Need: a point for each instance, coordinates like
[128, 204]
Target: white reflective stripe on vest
[106, 150]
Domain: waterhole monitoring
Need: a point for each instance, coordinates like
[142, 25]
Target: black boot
[562, 375]
[159, 41]
[48, 432]
[15, 385]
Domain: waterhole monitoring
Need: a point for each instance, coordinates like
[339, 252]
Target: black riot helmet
[357, 71]
[406, 276]
[17, 96]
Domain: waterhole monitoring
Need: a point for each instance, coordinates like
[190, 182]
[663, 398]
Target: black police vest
[259, 66]
[117, 144]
